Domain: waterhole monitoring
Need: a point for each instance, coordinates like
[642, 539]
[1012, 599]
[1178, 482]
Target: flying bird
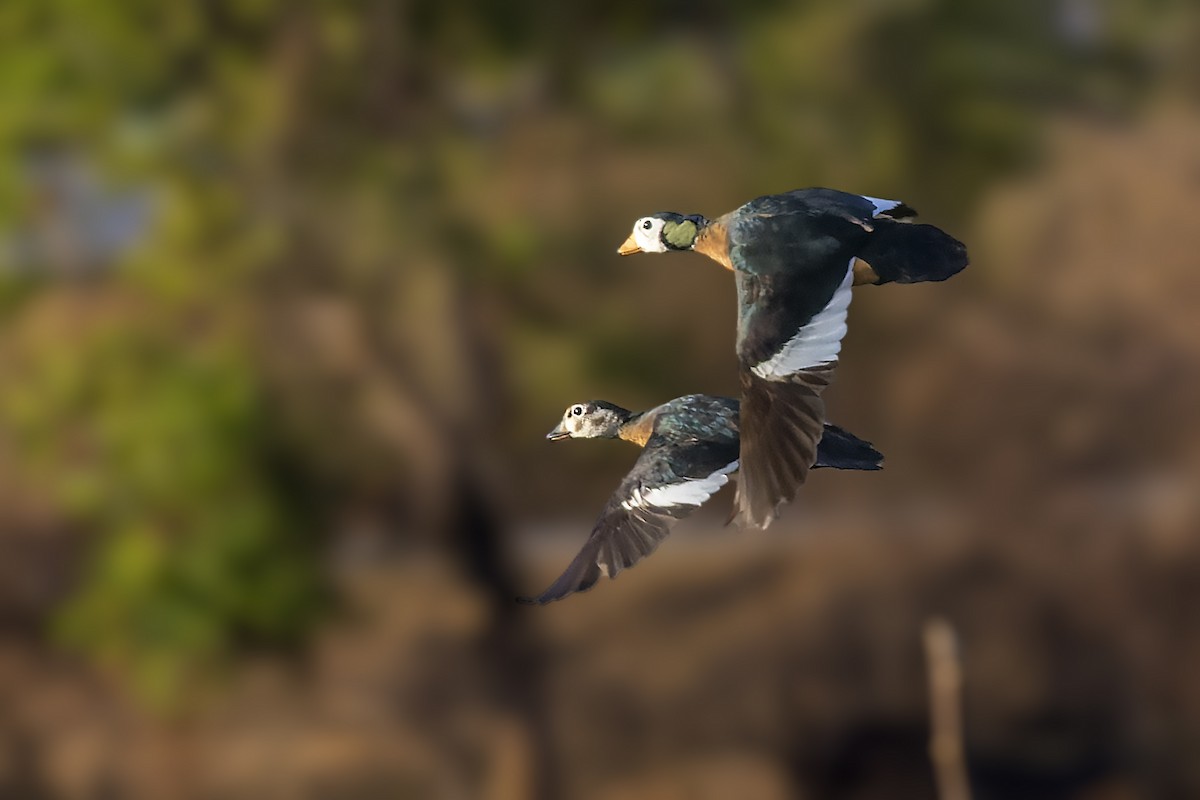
[795, 257]
[690, 450]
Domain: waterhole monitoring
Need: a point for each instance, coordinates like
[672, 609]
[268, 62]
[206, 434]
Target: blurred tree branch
[946, 747]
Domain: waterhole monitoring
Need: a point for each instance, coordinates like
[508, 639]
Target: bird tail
[904, 252]
[840, 449]
[781, 424]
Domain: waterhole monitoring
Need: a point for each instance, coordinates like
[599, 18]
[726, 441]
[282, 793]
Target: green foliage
[158, 448]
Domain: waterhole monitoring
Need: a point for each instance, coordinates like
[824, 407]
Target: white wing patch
[818, 342]
[689, 492]
[881, 206]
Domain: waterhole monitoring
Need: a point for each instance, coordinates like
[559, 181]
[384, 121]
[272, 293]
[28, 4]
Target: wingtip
[746, 521]
[781, 425]
[742, 516]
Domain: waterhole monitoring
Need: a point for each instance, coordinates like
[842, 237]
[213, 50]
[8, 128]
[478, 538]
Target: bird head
[661, 232]
[593, 420]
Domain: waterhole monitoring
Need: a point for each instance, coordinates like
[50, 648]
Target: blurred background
[290, 293]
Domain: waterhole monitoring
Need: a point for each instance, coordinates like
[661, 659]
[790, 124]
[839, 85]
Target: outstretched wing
[794, 256]
[670, 480]
[782, 422]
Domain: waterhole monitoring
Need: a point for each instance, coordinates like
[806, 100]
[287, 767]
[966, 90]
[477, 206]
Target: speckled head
[593, 420]
[663, 231]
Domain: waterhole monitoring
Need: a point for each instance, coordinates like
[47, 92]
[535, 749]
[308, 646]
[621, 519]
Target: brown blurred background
[291, 291]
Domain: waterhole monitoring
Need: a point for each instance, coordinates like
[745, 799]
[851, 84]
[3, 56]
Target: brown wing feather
[781, 425]
[636, 519]
[620, 539]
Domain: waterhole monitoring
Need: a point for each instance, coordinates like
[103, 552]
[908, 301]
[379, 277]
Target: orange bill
[629, 247]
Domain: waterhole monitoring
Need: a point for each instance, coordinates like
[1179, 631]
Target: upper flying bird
[795, 256]
[689, 451]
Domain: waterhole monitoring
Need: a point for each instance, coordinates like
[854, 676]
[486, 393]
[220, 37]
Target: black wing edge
[903, 211]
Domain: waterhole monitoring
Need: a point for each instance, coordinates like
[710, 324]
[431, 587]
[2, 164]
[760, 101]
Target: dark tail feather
[781, 424]
[841, 449]
[912, 253]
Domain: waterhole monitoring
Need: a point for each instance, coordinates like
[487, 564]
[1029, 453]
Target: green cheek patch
[680, 234]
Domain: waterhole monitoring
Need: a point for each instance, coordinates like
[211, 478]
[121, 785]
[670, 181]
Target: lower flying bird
[689, 451]
[795, 257]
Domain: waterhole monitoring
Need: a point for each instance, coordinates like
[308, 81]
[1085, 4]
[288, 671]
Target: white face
[647, 232]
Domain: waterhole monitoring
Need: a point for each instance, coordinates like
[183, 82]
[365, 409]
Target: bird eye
[646, 224]
[577, 411]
